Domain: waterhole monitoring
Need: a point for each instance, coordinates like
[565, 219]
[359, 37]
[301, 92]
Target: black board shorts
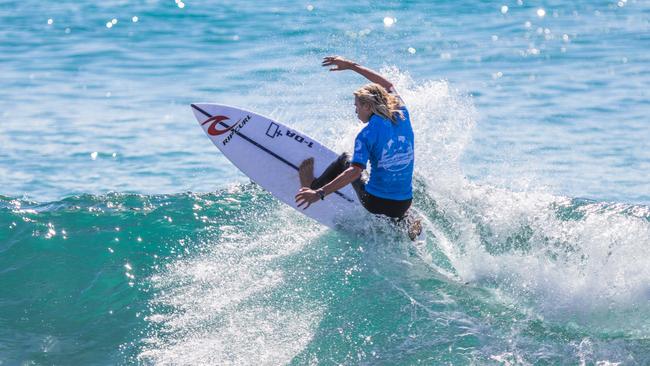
[374, 204]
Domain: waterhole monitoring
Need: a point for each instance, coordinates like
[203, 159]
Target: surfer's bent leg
[335, 169]
[375, 205]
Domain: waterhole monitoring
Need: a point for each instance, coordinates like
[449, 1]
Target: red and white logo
[212, 130]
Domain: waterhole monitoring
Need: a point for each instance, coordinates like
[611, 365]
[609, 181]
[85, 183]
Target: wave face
[235, 277]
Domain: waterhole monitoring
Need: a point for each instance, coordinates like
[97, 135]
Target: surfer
[386, 141]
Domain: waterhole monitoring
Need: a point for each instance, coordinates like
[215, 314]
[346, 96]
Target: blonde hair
[380, 101]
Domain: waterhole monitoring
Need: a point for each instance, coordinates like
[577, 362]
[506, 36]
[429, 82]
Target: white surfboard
[269, 153]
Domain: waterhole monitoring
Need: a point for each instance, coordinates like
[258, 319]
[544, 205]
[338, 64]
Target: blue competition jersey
[389, 147]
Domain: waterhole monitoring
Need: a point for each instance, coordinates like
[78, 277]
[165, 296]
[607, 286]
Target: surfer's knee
[344, 158]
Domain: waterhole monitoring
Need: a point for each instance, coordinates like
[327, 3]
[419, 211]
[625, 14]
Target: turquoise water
[126, 238]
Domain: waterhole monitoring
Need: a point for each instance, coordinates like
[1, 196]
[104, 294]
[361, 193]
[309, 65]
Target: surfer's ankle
[414, 229]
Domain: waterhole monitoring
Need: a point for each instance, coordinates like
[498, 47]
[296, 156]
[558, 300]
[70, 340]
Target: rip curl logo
[212, 130]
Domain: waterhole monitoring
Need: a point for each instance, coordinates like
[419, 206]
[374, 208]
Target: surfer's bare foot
[415, 229]
[306, 172]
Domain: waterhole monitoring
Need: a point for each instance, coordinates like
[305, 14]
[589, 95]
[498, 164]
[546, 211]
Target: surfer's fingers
[301, 199]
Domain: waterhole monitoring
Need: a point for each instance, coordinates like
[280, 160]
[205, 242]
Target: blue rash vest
[389, 147]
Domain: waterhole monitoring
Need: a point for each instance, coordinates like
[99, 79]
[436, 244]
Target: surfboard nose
[200, 113]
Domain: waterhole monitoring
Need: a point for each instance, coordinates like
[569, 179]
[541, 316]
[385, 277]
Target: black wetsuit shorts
[374, 204]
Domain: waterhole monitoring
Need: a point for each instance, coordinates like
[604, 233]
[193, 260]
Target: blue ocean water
[126, 238]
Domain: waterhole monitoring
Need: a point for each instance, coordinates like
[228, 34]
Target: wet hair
[380, 101]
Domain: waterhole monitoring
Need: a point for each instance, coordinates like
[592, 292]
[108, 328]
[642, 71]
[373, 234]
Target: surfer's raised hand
[341, 64]
[338, 62]
[306, 196]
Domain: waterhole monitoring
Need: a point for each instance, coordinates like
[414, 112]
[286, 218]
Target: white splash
[219, 313]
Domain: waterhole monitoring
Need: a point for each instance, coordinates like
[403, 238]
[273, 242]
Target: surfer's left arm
[339, 63]
[308, 196]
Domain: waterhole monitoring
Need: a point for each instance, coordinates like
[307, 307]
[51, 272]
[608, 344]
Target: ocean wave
[235, 276]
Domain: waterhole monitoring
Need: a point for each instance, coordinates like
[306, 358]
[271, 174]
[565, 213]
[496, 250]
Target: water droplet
[114, 21]
[528, 24]
[128, 267]
[541, 12]
[50, 233]
[411, 50]
[67, 31]
[109, 25]
[389, 21]
[495, 38]
[93, 155]
[504, 9]
[50, 21]
[310, 7]
[181, 4]
[134, 19]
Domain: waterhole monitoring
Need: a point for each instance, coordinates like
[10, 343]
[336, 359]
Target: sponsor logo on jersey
[396, 155]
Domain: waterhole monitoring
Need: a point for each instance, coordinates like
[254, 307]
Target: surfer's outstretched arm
[341, 64]
[307, 196]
